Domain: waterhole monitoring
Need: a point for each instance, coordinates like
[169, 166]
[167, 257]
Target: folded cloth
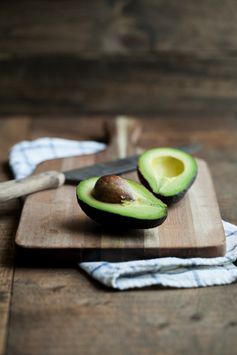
[171, 272]
[26, 155]
[168, 271]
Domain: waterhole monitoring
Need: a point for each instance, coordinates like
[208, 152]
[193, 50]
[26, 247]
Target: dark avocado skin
[168, 200]
[110, 219]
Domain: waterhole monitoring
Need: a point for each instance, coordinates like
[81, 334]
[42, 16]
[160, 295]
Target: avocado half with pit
[120, 203]
[167, 172]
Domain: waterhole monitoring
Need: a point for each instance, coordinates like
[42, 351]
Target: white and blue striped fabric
[170, 271]
[167, 272]
[26, 155]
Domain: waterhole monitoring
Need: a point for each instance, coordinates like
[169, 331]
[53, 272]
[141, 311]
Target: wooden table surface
[54, 309]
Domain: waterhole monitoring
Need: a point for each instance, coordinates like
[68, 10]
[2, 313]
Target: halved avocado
[142, 211]
[167, 172]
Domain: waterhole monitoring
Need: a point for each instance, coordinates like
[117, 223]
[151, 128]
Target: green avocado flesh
[145, 207]
[167, 172]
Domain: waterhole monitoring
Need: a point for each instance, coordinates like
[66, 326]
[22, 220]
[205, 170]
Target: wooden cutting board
[52, 221]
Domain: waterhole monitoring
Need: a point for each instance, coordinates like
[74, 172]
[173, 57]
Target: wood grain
[193, 226]
[61, 311]
[57, 310]
[143, 56]
[97, 28]
[9, 218]
[173, 84]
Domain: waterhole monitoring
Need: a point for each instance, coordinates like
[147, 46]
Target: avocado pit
[112, 189]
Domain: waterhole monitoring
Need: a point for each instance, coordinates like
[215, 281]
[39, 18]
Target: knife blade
[116, 167]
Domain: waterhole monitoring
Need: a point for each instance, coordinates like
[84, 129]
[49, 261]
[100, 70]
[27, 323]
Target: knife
[53, 179]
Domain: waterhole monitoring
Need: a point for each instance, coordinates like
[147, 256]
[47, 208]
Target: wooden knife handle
[18, 188]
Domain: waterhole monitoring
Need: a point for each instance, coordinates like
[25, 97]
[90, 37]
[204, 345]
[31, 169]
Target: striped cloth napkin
[26, 155]
[169, 271]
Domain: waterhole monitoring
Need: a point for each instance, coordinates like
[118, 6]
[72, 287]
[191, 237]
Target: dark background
[173, 62]
[139, 57]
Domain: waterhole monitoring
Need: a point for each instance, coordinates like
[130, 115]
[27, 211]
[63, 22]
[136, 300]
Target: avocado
[120, 203]
[167, 172]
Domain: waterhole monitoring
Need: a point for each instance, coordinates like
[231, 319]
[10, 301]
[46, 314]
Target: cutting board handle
[18, 188]
[123, 134]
